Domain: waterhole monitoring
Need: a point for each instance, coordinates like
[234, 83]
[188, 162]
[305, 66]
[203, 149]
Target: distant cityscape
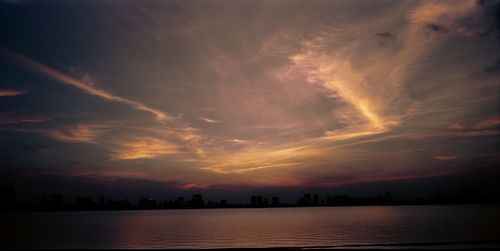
[57, 202]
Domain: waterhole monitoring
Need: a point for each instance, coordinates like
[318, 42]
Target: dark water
[271, 227]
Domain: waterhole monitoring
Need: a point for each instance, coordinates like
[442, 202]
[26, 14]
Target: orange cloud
[445, 157]
[192, 186]
[258, 159]
[12, 92]
[143, 148]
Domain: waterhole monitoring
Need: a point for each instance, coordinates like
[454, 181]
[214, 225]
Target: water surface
[265, 227]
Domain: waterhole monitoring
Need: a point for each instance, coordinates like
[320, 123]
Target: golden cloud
[144, 148]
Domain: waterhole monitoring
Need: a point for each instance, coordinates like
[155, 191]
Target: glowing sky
[249, 93]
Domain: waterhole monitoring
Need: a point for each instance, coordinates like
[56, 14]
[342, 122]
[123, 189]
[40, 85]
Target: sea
[443, 226]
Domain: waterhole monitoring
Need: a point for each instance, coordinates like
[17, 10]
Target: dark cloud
[387, 39]
[436, 28]
[493, 67]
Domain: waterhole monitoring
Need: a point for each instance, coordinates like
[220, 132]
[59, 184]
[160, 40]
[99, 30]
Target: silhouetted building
[223, 203]
[385, 199]
[118, 204]
[102, 202]
[315, 200]
[179, 203]
[84, 203]
[275, 201]
[56, 201]
[146, 203]
[7, 198]
[304, 200]
[257, 201]
[197, 201]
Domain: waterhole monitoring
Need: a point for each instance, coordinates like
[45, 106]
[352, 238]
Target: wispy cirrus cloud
[445, 16]
[375, 93]
[189, 186]
[487, 124]
[81, 133]
[7, 118]
[89, 88]
[208, 120]
[259, 159]
[12, 92]
[444, 157]
[143, 148]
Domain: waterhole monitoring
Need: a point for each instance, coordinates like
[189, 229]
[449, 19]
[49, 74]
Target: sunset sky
[200, 95]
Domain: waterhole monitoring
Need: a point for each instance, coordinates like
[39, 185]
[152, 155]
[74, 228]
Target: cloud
[143, 148]
[12, 92]
[81, 133]
[240, 141]
[487, 124]
[482, 128]
[212, 121]
[13, 1]
[12, 118]
[493, 67]
[88, 88]
[456, 126]
[369, 103]
[445, 16]
[259, 159]
[189, 186]
[445, 157]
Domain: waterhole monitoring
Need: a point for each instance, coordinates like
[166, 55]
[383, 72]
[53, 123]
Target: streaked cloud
[259, 159]
[456, 126]
[444, 157]
[487, 124]
[89, 88]
[7, 118]
[12, 92]
[189, 186]
[143, 148]
[444, 16]
[208, 120]
[81, 133]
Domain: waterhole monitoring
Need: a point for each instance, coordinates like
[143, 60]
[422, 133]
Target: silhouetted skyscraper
[197, 201]
[257, 201]
[275, 201]
[306, 200]
[7, 198]
[56, 201]
[315, 200]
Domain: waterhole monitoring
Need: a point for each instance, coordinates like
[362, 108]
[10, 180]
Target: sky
[225, 96]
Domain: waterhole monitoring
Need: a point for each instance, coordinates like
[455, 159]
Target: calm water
[272, 227]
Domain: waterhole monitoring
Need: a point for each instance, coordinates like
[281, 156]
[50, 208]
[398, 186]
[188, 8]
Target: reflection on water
[265, 227]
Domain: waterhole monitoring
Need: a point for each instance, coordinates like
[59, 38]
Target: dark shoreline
[244, 207]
